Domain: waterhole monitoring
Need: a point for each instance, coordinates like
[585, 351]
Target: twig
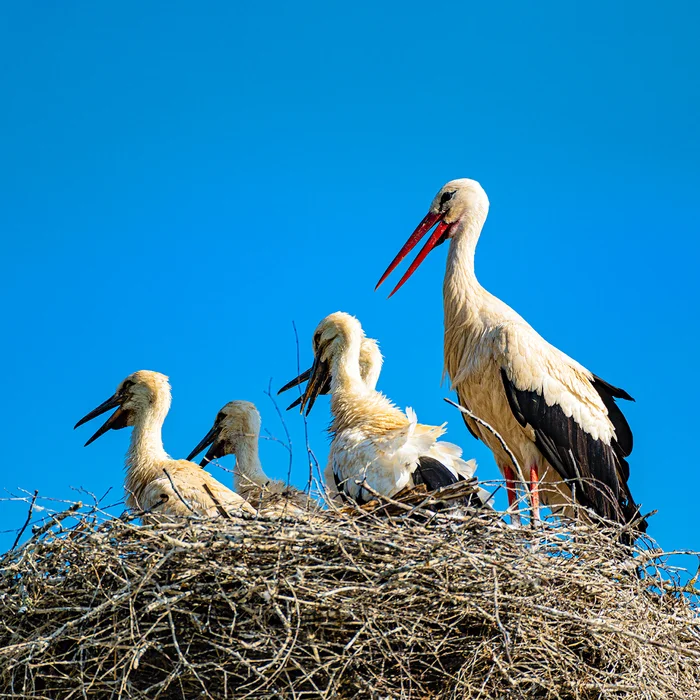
[26, 522]
[310, 455]
[177, 493]
[54, 519]
[219, 507]
[288, 446]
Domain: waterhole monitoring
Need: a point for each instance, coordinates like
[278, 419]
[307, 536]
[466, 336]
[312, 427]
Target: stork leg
[512, 495]
[534, 494]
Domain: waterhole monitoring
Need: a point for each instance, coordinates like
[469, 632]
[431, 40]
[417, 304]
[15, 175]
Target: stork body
[154, 482]
[561, 421]
[236, 431]
[374, 443]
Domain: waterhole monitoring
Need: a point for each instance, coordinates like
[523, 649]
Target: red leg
[512, 495]
[535, 493]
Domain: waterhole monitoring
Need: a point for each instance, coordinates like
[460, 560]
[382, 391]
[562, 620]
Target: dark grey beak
[304, 377]
[117, 421]
[319, 383]
[214, 452]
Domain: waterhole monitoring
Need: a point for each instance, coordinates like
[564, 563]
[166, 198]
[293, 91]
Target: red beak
[428, 222]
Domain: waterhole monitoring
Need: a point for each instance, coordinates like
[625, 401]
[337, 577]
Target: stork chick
[236, 431]
[374, 443]
[156, 483]
[371, 362]
[559, 419]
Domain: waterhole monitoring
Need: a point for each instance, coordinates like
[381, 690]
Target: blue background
[179, 183]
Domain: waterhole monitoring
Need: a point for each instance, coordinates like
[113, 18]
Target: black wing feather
[597, 471]
[623, 432]
[434, 474]
[361, 499]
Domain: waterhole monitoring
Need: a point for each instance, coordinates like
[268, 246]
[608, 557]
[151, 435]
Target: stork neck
[146, 452]
[345, 372]
[461, 288]
[248, 470]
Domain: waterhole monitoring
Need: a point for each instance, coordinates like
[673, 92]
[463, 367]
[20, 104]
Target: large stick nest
[349, 604]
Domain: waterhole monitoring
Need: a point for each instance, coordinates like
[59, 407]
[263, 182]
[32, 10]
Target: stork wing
[181, 492]
[586, 443]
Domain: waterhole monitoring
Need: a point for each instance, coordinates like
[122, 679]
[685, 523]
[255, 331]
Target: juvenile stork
[374, 443]
[371, 362]
[236, 431]
[156, 483]
[560, 420]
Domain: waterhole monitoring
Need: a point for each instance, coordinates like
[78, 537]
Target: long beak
[319, 380]
[304, 377]
[214, 452]
[294, 403]
[428, 222]
[116, 421]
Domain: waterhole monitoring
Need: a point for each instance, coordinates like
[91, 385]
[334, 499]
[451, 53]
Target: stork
[236, 431]
[371, 362]
[559, 419]
[374, 444]
[155, 483]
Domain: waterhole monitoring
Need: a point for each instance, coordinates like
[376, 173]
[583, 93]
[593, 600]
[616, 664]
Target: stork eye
[446, 197]
[126, 386]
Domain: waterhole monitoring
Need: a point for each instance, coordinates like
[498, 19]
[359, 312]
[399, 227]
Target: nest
[400, 601]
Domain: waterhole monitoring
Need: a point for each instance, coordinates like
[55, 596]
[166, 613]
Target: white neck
[463, 298]
[345, 369]
[146, 454]
[248, 470]
[461, 289]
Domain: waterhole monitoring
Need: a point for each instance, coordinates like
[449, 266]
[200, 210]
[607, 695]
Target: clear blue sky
[181, 181]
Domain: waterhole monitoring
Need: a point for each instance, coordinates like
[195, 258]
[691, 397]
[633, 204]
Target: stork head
[371, 362]
[236, 421]
[331, 338]
[455, 204]
[140, 392]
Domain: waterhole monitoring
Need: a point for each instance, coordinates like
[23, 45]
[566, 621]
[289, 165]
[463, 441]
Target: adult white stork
[374, 443]
[236, 431]
[371, 362]
[560, 420]
[156, 483]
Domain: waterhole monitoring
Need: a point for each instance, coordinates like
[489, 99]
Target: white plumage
[374, 443]
[154, 482]
[560, 420]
